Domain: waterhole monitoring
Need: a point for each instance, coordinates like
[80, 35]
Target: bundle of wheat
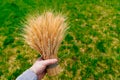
[45, 33]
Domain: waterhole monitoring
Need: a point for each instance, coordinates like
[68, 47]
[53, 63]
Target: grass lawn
[90, 50]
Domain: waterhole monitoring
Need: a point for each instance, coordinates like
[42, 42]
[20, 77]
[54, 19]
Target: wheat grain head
[45, 32]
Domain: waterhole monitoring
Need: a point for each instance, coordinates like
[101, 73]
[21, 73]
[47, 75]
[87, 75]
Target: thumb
[50, 62]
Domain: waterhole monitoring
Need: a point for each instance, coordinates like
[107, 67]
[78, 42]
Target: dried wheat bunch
[45, 33]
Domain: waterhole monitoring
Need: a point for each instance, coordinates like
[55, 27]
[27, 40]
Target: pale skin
[39, 67]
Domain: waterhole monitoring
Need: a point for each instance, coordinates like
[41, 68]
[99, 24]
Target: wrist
[33, 70]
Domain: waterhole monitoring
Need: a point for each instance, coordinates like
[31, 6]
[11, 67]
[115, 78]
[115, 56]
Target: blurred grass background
[90, 50]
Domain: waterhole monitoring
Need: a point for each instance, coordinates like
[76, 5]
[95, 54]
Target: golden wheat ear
[45, 33]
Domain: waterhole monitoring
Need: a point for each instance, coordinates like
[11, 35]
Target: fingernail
[55, 60]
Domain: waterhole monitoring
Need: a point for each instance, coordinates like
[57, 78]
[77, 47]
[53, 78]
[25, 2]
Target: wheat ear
[45, 33]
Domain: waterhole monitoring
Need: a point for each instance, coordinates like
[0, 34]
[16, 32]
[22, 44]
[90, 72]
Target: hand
[39, 67]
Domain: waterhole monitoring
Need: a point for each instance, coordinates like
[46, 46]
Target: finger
[50, 61]
[40, 76]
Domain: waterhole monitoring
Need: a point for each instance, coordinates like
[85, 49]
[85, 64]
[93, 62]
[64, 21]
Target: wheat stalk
[45, 33]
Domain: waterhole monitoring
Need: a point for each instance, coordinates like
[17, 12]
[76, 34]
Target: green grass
[90, 50]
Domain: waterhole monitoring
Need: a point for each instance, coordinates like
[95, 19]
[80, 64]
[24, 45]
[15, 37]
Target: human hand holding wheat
[44, 33]
[39, 67]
